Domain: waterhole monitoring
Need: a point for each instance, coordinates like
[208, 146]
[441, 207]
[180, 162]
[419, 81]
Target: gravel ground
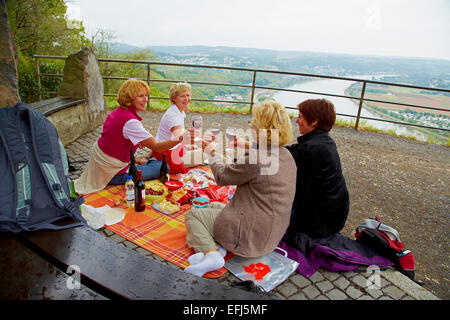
[404, 182]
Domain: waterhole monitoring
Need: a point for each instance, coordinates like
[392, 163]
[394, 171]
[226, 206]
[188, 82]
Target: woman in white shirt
[172, 127]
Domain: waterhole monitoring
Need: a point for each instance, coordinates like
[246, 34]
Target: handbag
[267, 271]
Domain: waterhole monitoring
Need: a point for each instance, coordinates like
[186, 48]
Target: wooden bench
[34, 266]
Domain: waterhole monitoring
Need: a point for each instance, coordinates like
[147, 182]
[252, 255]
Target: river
[342, 105]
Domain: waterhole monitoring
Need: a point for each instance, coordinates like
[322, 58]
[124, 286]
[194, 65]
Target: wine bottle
[139, 193]
[132, 167]
[163, 172]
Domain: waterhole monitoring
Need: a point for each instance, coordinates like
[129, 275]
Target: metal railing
[253, 87]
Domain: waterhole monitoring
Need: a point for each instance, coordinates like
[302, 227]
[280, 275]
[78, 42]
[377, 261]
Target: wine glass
[208, 138]
[215, 130]
[231, 134]
[197, 124]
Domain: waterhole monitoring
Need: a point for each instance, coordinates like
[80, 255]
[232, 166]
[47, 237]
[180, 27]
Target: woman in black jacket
[321, 202]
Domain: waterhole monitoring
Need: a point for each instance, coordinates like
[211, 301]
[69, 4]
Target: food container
[200, 202]
[173, 184]
[214, 193]
[197, 178]
[166, 206]
[155, 191]
[181, 195]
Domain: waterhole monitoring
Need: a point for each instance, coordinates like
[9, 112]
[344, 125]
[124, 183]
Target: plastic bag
[112, 215]
[94, 217]
[98, 217]
[267, 271]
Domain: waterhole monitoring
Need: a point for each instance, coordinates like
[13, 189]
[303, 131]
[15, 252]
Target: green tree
[41, 27]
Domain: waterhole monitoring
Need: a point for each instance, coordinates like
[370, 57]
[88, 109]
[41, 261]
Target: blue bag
[36, 189]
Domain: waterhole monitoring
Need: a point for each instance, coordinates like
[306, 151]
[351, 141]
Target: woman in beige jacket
[256, 218]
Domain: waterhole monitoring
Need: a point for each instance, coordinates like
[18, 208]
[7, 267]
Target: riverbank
[384, 111]
[348, 106]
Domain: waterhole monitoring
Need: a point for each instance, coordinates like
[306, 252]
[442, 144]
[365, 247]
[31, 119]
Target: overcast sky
[410, 28]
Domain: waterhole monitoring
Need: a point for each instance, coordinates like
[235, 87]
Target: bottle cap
[129, 177]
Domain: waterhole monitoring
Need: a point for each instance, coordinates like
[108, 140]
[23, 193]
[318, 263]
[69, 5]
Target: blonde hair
[129, 90]
[176, 88]
[272, 117]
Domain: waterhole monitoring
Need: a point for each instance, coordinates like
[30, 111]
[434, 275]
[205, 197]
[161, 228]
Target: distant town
[206, 59]
[250, 63]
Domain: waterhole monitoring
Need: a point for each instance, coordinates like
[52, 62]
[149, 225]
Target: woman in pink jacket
[122, 132]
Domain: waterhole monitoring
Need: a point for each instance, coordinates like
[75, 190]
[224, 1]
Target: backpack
[385, 240]
[36, 189]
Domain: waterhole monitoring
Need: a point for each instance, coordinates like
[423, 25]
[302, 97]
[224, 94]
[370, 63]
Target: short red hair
[321, 110]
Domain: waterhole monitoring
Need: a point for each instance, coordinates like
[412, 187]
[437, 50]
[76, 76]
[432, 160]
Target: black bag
[36, 190]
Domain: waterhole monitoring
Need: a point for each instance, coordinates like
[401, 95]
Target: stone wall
[69, 116]
[82, 80]
[71, 122]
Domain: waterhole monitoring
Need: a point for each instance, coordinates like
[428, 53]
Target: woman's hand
[187, 137]
[241, 143]
[208, 147]
[140, 160]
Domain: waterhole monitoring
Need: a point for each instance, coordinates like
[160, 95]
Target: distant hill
[419, 71]
[117, 47]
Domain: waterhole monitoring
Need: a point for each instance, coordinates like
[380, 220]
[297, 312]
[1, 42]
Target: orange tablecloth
[164, 235]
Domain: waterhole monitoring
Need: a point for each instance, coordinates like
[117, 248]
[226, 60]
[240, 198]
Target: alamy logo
[374, 281]
[374, 19]
[73, 282]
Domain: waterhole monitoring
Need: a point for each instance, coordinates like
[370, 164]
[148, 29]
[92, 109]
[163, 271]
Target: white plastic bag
[94, 217]
[281, 267]
[112, 215]
[98, 217]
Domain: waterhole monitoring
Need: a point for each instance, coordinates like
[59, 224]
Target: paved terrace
[323, 285]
